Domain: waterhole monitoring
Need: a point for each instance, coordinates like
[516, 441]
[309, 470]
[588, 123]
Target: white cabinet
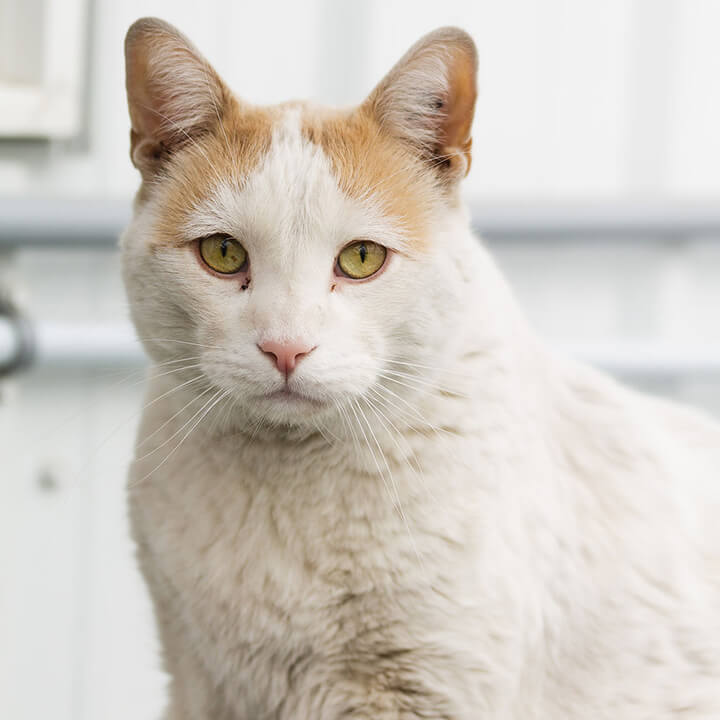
[76, 634]
[42, 53]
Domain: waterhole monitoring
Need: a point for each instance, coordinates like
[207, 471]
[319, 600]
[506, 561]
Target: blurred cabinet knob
[47, 481]
[17, 347]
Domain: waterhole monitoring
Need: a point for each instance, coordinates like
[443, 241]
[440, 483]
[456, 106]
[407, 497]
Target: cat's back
[691, 442]
[639, 486]
[646, 476]
[637, 430]
[686, 441]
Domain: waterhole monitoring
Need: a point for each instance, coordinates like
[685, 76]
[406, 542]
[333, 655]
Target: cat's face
[297, 257]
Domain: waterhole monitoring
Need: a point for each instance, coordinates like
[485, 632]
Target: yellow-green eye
[361, 259]
[223, 254]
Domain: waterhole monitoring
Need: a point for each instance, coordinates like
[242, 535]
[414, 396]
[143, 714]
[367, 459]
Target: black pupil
[363, 252]
[223, 247]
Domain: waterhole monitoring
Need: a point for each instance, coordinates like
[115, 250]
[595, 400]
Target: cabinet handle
[17, 344]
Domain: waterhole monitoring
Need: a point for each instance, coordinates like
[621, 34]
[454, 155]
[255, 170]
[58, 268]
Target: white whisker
[420, 381]
[423, 422]
[216, 398]
[432, 368]
[182, 342]
[408, 452]
[398, 505]
[177, 432]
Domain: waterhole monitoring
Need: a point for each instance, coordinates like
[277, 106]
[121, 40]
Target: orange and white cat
[362, 487]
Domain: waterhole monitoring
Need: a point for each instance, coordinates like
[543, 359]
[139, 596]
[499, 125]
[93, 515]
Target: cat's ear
[428, 99]
[174, 95]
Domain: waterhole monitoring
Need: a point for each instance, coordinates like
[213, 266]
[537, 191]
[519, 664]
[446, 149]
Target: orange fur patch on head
[372, 166]
[230, 153]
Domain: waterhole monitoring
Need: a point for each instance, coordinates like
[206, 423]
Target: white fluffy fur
[488, 532]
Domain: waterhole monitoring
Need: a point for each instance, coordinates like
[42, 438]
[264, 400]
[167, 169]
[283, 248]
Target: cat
[363, 488]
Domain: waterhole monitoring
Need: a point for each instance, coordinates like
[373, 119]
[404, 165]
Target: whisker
[93, 453]
[428, 367]
[353, 406]
[331, 433]
[170, 419]
[316, 423]
[182, 342]
[420, 386]
[228, 399]
[392, 480]
[142, 370]
[172, 390]
[414, 411]
[408, 452]
[228, 412]
[258, 425]
[171, 372]
[216, 398]
[176, 433]
[421, 381]
[346, 422]
[76, 413]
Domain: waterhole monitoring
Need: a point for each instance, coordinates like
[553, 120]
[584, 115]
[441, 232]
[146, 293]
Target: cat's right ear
[174, 95]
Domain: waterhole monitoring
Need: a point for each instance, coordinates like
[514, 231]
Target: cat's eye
[361, 259]
[223, 254]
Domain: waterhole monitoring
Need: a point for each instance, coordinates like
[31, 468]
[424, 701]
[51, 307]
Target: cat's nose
[285, 355]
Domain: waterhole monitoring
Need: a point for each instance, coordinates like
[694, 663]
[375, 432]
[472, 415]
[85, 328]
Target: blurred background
[596, 182]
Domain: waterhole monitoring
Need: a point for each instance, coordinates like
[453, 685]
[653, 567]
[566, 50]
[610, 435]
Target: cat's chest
[276, 566]
[277, 551]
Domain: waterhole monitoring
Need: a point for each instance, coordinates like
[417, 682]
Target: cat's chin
[286, 397]
[288, 409]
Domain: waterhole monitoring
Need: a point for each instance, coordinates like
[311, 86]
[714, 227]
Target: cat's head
[297, 256]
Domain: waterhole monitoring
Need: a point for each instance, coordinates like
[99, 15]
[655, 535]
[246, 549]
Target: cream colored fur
[461, 526]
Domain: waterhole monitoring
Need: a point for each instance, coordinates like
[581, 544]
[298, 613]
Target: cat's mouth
[292, 397]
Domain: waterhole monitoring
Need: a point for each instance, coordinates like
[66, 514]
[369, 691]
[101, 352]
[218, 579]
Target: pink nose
[285, 355]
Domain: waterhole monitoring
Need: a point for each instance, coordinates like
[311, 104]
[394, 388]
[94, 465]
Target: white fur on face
[293, 220]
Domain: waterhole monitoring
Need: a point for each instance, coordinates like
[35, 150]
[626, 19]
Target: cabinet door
[45, 509]
[77, 639]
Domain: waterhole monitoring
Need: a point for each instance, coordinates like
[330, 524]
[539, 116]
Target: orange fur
[370, 164]
[231, 152]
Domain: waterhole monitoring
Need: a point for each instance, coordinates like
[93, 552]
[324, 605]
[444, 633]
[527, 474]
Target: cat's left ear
[174, 95]
[428, 100]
